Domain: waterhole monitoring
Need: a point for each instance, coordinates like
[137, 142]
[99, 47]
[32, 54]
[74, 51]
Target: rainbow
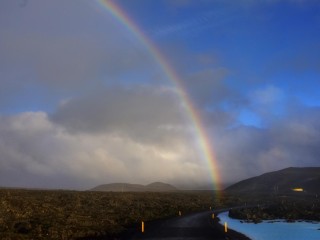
[207, 151]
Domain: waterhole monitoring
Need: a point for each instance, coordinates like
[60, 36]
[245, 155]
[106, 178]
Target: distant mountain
[160, 187]
[283, 181]
[127, 187]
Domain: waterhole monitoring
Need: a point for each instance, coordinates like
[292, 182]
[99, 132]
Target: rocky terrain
[40, 214]
[291, 209]
[109, 210]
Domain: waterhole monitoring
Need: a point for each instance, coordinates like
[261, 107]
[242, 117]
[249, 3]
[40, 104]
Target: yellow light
[297, 189]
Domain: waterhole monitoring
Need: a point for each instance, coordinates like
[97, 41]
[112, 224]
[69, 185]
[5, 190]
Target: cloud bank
[82, 101]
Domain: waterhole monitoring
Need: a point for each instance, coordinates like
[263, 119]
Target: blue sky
[83, 101]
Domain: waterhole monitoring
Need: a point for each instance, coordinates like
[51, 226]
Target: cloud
[268, 102]
[70, 60]
[113, 114]
[249, 151]
[142, 112]
[43, 49]
[208, 87]
[107, 128]
[35, 152]
[187, 25]
[270, 95]
[210, 18]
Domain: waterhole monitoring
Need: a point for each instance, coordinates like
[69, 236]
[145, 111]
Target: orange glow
[297, 189]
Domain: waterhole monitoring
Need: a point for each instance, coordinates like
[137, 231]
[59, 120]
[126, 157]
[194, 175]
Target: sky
[84, 102]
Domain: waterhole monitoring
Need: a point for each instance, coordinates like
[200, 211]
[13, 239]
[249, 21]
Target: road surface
[191, 226]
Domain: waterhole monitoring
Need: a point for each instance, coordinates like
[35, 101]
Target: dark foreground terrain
[39, 214]
[291, 208]
[44, 214]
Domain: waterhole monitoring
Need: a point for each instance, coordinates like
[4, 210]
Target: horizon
[193, 93]
[207, 187]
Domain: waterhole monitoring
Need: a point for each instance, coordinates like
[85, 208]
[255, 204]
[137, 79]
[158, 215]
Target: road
[191, 226]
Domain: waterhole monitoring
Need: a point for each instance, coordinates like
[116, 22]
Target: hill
[127, 187]
[283, 181]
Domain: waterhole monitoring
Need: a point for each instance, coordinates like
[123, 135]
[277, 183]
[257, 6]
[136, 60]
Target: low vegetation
[37, 214]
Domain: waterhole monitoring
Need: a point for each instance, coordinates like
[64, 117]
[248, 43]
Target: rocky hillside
[304, 180]
[127, 187]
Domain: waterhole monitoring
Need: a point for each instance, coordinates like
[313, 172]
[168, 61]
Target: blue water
[270, 230]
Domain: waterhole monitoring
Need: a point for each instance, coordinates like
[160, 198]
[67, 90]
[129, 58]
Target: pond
[274, 229]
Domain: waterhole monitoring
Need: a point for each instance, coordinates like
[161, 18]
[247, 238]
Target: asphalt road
[191, 226]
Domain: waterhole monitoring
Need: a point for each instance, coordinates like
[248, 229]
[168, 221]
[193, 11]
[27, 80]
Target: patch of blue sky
[31, 98]
[249, 118]
[302, 86]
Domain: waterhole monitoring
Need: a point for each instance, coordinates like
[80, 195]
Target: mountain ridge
[128, 187]
[285, 180]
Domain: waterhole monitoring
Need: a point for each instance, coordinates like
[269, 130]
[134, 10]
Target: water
[270, 230]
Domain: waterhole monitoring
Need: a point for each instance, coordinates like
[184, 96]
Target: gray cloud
[204, 78]
[33, 148]
[144, 113]
[291, 141]
[112, 120]
[208, 86]
[98, 133]
[44, 49]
